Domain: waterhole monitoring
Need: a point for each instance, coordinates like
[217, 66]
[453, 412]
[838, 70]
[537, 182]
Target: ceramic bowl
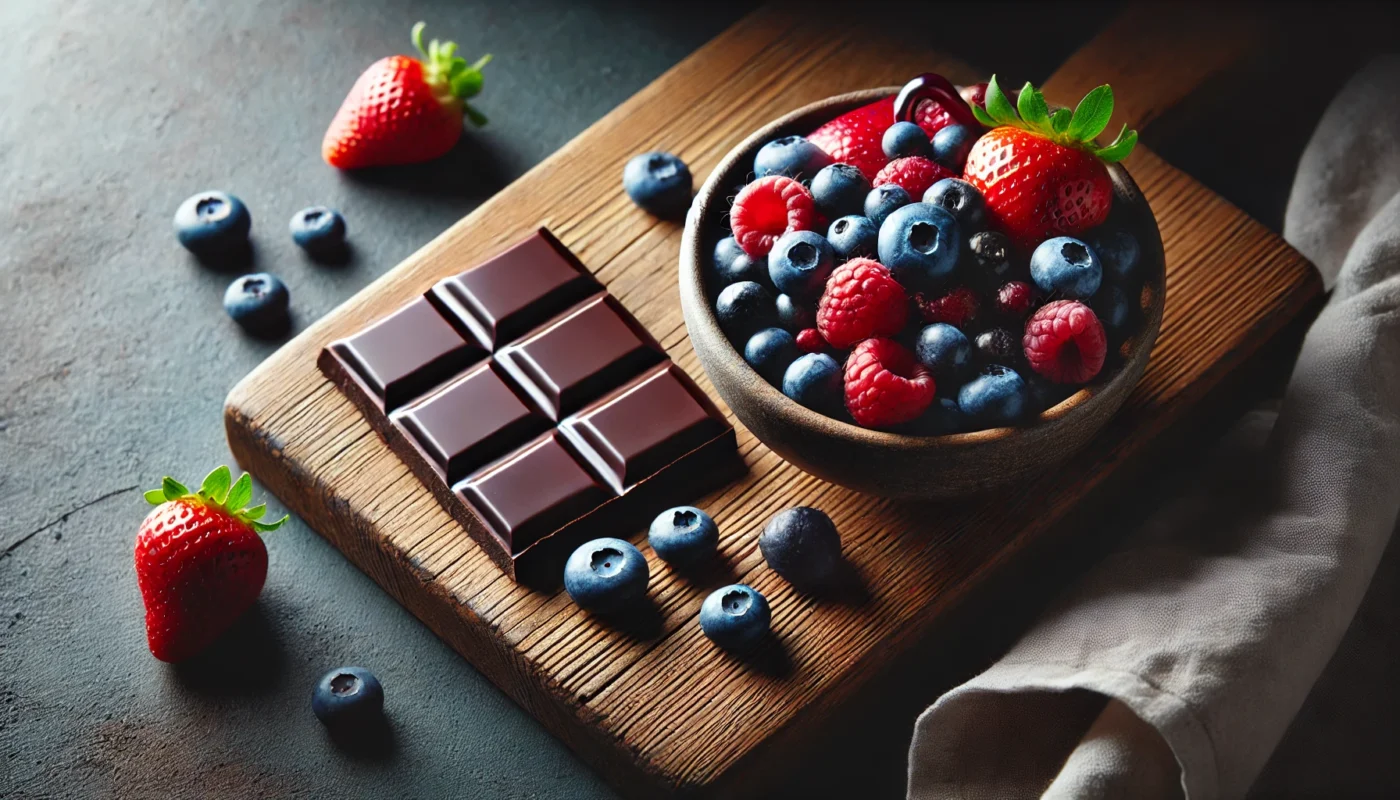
[894, 464]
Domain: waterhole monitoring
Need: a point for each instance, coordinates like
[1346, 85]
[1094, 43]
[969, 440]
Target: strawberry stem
[452, 79]
[219, 490]
[1079, 129]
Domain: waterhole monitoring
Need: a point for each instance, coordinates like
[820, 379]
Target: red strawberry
[404, 110]
[199, 562]
[913, 173]
[854, 137]
[1044, 175]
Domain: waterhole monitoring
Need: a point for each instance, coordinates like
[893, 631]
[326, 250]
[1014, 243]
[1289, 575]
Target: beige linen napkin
[1176, 665]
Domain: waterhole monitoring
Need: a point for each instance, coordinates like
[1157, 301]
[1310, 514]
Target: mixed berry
[933, 263]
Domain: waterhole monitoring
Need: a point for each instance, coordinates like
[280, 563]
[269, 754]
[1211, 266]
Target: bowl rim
[694, 295]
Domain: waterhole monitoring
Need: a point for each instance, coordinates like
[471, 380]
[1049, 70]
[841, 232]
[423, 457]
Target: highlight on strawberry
[405, 110]
[200, 563]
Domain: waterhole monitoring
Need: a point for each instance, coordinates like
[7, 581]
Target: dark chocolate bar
[538, 411]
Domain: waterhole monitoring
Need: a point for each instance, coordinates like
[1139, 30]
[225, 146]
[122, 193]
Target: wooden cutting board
[657, 709]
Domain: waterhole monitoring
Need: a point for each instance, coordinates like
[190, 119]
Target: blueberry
[883, 200]
[989, 258]
[735, 617]
[770, 352]
[1042, 394]
[919, 244]
[792, 156]
[318, 230]
[853, 236]
[801, 544]
[732, 264]
[744, 308]
[905, 139]
[1066, 267]
[1116, 310]
[683, 536]
[839, 190]
[606, 575]
[945, 350]
[998, 346]
[794, 315]
[996, 397]
[659, 183]
[347, 696]
[815, 381]
[951, 145]
[961, 199]
[213, 224]
[259, 303]
[800, 262]
[1119, 253]
[943, 417]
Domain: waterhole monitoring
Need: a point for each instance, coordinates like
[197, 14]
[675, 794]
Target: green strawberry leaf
[467, 84]
[155, 497]
[481, 62]
[264, 527]
[1092, 114]
[998, 106]
[172, 489]
[216, 483]
[256, 512]
[982, 116]
[240, 494]
[477, 118]
[1033, 110]
[1120, 148]
[1059, 121]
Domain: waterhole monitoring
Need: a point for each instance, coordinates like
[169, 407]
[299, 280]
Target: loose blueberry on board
[770, 352]
[793, 315]
[732, 264]
[815, 381]
[211, 224]
[606, 575]
[659, 183]
[318, 230]
[1119, 253]
[989, 257]
[1116, 311]
[998, 346]
[996, 397]
[801, 544]
[347, 697]
[920, 243]
[791, 156]
[905, 139]
[1066, 267]
[853, 236]
[744, 308]
[883, 200]
[951, 144]
[683, 536]
[943, 417]
[961, 199]
[735, 617]
[839, 190]
[258, 302]
[800, 262]
[946, 352]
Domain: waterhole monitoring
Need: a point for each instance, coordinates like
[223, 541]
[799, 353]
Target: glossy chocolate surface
[406, 354]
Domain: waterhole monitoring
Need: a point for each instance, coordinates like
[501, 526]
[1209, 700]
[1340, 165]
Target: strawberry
[854, 137]
[199, 562]
[404, 110]
[1044, 175]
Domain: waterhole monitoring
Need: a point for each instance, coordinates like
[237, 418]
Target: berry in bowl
[928, 292]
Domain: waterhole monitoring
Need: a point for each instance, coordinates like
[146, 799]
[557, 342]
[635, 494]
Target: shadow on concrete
[471, 169]
[248, 660]
[371, 742]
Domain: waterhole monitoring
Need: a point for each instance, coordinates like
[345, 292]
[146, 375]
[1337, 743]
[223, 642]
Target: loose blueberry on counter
[211, 224]
[839, 190]
[606, 575]
[1116, 310]
[258, 302]
[1067, 267]
[853, 236]
[346, 697]
[794, 315]
[659, 183]
[883, 200]
[919, 244]
[744, 308]
[800, 262]
[770, 352]
[318, 230]
[735, 617]
[801, 544]
[946, 352]
[792, 156]
[1119, 253]
[996, 397]
[815, 381]
[998, 346]
[906, 139]
[989, 256]
[961, 199]
[683, 536]
[951, 145]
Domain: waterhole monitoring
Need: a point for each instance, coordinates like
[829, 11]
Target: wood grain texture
[656, 708]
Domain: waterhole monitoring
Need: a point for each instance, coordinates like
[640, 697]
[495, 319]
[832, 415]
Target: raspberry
[768, 208]
[1014, 299]
[885, 385]
[914, 174]
[957, 308]
[861, 300]
[809, 340]
[1065, 342]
